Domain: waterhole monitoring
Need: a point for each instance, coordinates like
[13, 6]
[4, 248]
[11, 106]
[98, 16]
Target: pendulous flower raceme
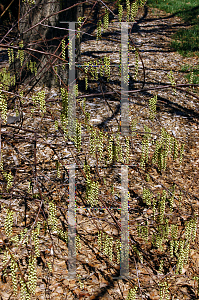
[106, 19]
[20, 53]
[99, 30]
[63, 53]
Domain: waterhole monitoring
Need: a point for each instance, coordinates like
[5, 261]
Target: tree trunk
[48, 39]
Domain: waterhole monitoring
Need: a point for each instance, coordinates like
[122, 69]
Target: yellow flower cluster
[63, 46]
[172, 80]
[182, 256]
[92, 187]
[134, 10]
[190, 229]
[9, 178]
[107, 67]
[24, 292]
[80, 19]
[78, 140]
[132, 294]
[29, 1]
[15, 239]
[8, 222]
[191, 78]
[145, 147]
[32, 66]
[56, 125]
[40, 99]
[70, 55]
[134, 248]
[106, 19]
[32, 275]
[167, 144]
[128, 9]
[143, 231]
[6, 79]
[64, 122]
[58, 170]
[146, 197]
[99, 30]
[92, 190]
[6, 257]
[133, 127]
[3, 105]
[86, 77]
[20, 53]
[171, 248]
[49, 265]
[164, 292]
[152, 107]
[10, 55]
[22, 235]
[92, 70]
[64, 96]
[93, 141]
[63, 235]
[105, 243]
[101, 67]
[120, 12]
[127, 150]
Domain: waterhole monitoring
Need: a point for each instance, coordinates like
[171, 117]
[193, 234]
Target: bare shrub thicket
[38, 152]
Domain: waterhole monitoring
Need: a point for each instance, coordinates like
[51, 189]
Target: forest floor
[177, 112]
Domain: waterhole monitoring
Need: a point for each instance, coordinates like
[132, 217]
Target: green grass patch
[192, 73]
[185, 41]
[187, 10]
